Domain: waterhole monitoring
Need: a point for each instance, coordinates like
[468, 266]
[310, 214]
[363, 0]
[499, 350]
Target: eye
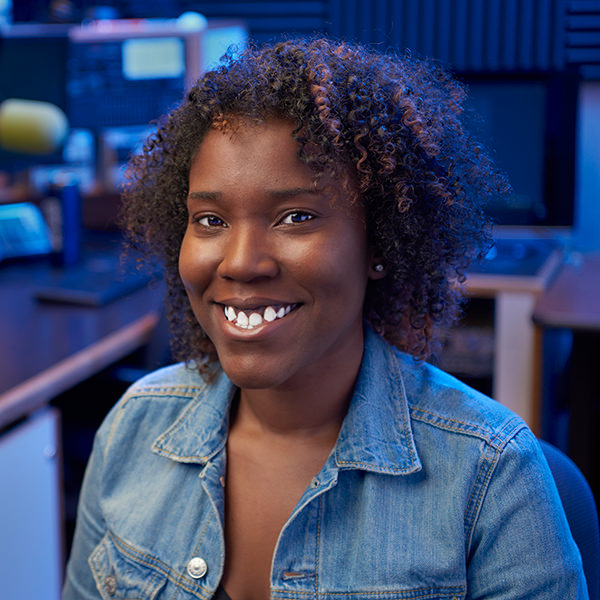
[297, 216]
[209, 221]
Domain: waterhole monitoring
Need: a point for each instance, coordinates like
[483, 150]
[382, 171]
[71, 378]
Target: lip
[253, 302]
[265, 328]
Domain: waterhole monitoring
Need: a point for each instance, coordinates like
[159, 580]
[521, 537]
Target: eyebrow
[290, 193]
[204, 195]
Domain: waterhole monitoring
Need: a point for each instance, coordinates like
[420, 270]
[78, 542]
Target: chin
[249, 375]
[253, 381]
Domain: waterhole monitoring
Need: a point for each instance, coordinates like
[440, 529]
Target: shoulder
[464, 438]
[152, 404]
[178, 378]
[438, 406]
[440, 401]
[169, 387]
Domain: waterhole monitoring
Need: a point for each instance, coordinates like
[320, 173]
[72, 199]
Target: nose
[247, 255]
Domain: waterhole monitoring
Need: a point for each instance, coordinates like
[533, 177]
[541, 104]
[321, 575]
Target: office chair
[580, 508]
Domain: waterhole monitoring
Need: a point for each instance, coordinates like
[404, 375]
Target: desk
[514, 381]
[45, 349]
[572, 302]
[573, 299]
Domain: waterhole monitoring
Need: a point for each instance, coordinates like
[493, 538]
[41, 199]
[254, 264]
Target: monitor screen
[119, 82]
[528, 125]
[153, 58]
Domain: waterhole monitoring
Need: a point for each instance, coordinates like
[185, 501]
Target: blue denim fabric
[432, 491]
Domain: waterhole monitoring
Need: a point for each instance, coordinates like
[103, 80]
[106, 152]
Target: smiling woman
[266, 257]
[315, 205]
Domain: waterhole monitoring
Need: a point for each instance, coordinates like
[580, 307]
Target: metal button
[110, 585]
[197, 567]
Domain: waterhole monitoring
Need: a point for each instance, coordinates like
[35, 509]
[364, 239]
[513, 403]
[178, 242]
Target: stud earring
[378, 267]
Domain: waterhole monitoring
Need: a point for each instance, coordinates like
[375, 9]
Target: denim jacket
[432, 491]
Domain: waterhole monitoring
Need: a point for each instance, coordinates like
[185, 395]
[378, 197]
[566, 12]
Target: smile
[249, 319]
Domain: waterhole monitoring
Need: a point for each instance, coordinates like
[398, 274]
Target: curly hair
[394, 121]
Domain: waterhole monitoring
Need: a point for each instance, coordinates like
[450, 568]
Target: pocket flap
[123, 573]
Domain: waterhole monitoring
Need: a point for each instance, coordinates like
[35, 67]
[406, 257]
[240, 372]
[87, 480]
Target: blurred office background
[79, 324]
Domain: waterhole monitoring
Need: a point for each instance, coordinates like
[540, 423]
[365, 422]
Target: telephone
[23, 231]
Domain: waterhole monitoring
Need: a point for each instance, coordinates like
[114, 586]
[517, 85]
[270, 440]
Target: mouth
[255, 317]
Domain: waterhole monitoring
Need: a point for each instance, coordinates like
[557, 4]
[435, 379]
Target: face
[274, 269]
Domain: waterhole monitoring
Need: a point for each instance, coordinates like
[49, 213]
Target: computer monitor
[528, 122]
[130, 72]
[32, 67]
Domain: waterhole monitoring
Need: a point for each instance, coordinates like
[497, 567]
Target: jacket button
[110, 585]
[197, 567]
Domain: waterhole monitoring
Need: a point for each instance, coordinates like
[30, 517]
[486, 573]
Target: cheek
[193, 267]
[341, 269]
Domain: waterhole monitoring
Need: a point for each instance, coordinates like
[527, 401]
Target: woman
[315, 206]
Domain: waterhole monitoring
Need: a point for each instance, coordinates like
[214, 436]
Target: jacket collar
[376, 434]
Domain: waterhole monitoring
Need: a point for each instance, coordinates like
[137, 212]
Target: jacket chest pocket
[121, 573]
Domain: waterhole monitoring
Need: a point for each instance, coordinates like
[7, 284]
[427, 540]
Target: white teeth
[254, 320]
[270, 314]
[242, 320]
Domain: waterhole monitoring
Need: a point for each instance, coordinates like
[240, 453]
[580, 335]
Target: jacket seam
[375, 468]
[416, 594]
[318, 544]
[475, 510]
[178, 391]
[408, 434]
[480, 487]
[180, 580]
[498, 439]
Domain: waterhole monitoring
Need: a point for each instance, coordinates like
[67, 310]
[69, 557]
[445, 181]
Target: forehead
[237, 152]
[249, 148]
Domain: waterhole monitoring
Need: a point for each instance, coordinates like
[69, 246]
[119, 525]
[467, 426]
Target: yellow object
[31, 127]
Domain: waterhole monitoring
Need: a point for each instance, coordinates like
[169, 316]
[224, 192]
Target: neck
[313, 409]
[288, 416]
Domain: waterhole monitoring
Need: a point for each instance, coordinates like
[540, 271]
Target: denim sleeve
[89, 530]
[520, 542]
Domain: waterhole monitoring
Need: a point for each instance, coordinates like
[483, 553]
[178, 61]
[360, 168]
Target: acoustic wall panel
[470, 35]
[582, 37]
[478, 36]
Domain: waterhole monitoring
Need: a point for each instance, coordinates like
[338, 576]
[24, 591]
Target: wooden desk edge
[37, 391]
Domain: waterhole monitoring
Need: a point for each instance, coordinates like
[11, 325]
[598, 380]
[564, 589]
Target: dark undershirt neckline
[221, 594]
